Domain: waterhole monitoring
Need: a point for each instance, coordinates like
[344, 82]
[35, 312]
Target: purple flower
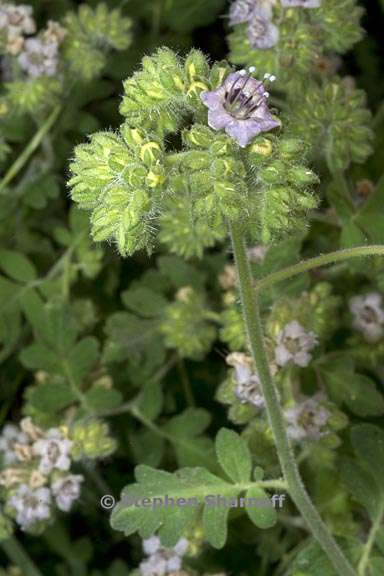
[241, 11]
[262, 33]
[244, 10]
[239, 106]
[301, 3]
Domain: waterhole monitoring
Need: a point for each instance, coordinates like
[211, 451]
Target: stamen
[252, 69]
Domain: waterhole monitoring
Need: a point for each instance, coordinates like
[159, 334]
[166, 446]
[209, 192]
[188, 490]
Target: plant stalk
[311, 263]
[296, 489]
[30, 148]
[18, 556]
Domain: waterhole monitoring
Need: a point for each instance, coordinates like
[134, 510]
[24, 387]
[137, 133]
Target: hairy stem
[297, 491]
[311, 263]
[30, 148]
[19, 557]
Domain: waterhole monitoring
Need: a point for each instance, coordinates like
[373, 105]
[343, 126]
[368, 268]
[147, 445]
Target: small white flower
[301, 3]
[306, 420]
[10, 436]
[248, 388]
[54, 451]
[257, 253]
[66, 490]
[30, 505]
[181, 547]
[15, 21]
[156, 565]
[173, 564]
[39, 58]
[294, 344]
[151, 545]
[162, 560]
[368, 315]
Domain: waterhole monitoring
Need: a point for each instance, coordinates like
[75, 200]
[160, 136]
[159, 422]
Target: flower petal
[219, 118]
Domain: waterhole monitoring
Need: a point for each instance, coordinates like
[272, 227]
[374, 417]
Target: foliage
[134, 151]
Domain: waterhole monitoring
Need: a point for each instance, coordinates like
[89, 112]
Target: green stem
[297, 491]
[305, 265]
[19, 557]
[187, 388]
[30, 148]
[363, 564]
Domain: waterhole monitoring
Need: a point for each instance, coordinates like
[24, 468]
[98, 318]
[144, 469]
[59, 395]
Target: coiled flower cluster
[286, 37]
[134, 183]
[37, 68]
[37, 477]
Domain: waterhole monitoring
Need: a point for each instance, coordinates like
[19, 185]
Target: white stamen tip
[272, 78]
[267, 76]
[266, 94]
[243, 72]
[252, 69]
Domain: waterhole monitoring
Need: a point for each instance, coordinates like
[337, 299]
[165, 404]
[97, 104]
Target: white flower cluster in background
[36, 472]
[15, 23]
[293, 345]
[36, 55]
[161, 561]
[368, 315]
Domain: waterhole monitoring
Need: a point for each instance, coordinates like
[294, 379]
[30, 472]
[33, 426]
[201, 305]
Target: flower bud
[198, 136]
[91, 440]
[196, 65]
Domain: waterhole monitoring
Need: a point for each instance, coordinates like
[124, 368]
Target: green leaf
[192, 490]
[356, 391]
[134, 339]
[17, 266]
[184, 16]
[147, 447]
[263, 514]
[83, 357]
[233, 455]
[180, 273]
[360, 484]
[150, 400]
[312, 561]
[103, 399]
[144, 301]
[184, 432]
[368, 443]
[50, 397]
[352, 235]
[215, 520]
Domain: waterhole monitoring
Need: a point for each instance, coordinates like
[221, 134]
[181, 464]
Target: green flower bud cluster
[90, 33]
[292, 57]
[132, 181]
[232, 331]
[334, 120]
[282, 195]
[316, 310]
[34, 95]
[160, 95]
[339, 23]
[91, 440]
[304, 36]
[186, 325]
[330, 493]
[119, 177]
